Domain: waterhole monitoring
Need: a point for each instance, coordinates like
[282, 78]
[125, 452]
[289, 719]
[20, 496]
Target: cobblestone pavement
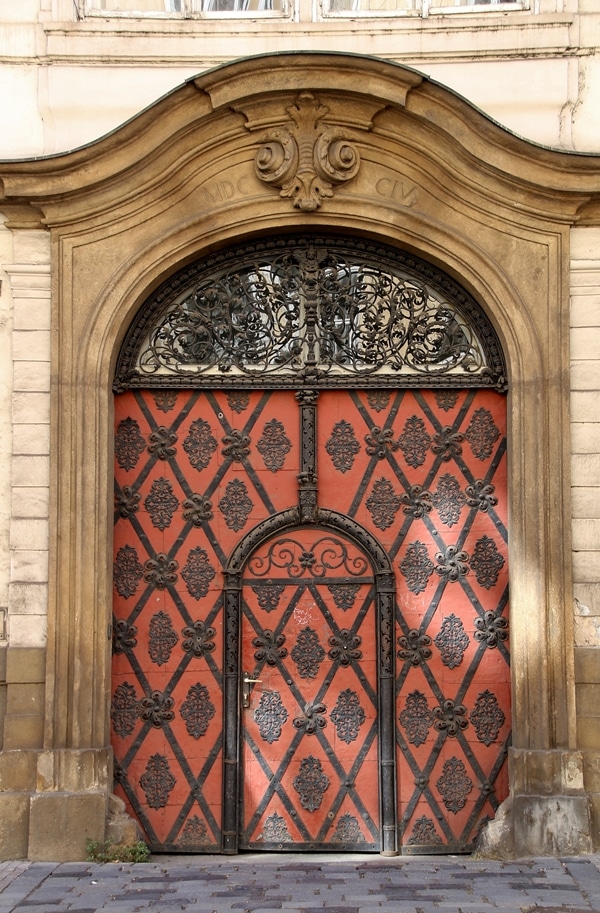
[301, 884]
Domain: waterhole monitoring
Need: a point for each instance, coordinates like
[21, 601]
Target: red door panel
[425, 472]
[194, 471]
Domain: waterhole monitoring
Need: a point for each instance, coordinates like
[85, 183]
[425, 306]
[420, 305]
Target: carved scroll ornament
[306, 161]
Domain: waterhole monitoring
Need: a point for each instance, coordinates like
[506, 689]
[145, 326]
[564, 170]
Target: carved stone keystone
[304, 159]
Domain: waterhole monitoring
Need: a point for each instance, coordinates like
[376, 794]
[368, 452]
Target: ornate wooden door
[320, 503]
[424, 474]
[309, 706]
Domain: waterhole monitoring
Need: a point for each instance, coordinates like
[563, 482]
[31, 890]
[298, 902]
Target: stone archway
[229, 441]
[130, 209]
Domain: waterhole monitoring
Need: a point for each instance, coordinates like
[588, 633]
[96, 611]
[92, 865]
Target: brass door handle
[247, 682]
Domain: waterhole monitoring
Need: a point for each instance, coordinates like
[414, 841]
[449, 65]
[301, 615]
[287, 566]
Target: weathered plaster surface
[535, 71]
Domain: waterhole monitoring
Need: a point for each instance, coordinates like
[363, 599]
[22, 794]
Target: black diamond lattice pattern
[448, 544]
[170, 550]
[449, 472]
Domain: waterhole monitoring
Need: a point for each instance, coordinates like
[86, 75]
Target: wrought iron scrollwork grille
[319, 311]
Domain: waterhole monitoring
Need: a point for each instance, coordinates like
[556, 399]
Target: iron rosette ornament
[304, 162]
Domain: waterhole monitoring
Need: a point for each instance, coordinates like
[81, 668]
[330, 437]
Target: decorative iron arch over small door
[309, 406]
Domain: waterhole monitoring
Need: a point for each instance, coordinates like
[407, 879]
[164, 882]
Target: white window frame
[433, 8]
[371, 14]
[87, 10]
[423, 9]
[426, 8]
[188, 11]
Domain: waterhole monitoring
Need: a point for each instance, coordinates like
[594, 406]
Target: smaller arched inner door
[310, 764]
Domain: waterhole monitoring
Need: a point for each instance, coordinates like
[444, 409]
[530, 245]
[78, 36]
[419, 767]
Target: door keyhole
[247, 684]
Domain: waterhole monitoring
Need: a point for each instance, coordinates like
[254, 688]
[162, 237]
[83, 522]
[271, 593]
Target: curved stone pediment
[192, 143]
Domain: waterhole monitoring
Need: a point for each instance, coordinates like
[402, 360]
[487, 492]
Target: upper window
[416, 7]
[197, 8]
[182, 8]
[313, 311]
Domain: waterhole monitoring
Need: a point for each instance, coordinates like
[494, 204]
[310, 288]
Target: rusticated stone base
[591, 776]
[121, 827]
[60, 824]
[14, 825]
[548, 812]
[52, 802]
[551, 826]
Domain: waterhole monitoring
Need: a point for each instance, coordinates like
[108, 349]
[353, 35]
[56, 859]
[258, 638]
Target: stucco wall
[25, 398]
[585, 432]
[585, 445]
[67, 82]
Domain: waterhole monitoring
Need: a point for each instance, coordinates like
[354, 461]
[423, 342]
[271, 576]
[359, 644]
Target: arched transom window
[311, 310]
